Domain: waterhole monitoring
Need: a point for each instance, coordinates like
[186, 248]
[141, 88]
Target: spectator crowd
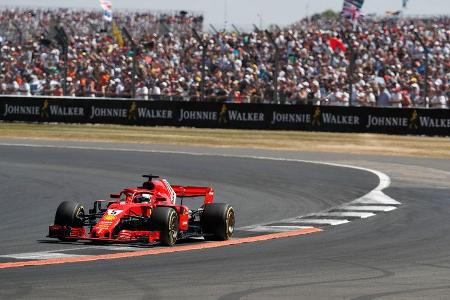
[388, 68]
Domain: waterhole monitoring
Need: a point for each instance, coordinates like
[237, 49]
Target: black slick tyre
[165, 220]
[218, 221]
[70, 214]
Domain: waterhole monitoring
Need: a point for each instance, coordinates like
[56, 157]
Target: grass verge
[371, 144]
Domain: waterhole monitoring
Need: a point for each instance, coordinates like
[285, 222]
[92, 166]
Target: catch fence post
[236, 29]
[351, 67]
[134, 49]
[203, 68]
[63, 41]
[427, 59]
[19, 31]
[277, 66]
[213, 28]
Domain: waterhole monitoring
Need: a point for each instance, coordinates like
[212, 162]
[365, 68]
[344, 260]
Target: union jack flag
[107, 10]
[352, 9]
[106, 5]
[358, 3]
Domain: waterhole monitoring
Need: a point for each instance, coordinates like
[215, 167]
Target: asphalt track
[403, 254]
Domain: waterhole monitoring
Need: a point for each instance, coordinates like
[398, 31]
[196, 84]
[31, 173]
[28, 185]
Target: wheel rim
[79, 216]
[230, 223]
[173, 230]
[80, 212]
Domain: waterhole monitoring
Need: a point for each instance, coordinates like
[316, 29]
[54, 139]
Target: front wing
[124, 236]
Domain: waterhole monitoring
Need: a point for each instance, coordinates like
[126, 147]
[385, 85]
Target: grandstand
[380, 62]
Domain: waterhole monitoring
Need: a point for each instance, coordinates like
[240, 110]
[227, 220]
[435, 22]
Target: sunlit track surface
[362, 208]
[399, 254]
[89, 253]
[309, 224]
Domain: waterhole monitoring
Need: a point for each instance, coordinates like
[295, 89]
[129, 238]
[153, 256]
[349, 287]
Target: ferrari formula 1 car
[145, 214]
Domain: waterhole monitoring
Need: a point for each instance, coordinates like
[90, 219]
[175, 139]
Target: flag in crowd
[352, 9]
[107, 10]
[108, 16]
[405, 3]
[336, 43]
[117, 35]
[393, 13]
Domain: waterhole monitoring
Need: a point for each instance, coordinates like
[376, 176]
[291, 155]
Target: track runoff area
[369, 205]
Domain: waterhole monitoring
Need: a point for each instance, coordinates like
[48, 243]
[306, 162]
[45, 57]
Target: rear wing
[195, 191]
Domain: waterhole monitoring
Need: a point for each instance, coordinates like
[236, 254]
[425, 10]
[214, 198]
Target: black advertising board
[227, 115]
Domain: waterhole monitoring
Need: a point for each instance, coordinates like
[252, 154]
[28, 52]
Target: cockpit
[142, 198]
[139, 197]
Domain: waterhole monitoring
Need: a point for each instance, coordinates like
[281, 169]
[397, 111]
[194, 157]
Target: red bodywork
[129, 203]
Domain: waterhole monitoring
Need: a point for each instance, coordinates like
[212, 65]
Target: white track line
[376, 197]
[367, 208]
[349, 214]
[60, 252]
[277, 228]
[332, 222]
[40, 255]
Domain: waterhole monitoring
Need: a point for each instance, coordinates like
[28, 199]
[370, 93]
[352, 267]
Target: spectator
[384, 100]
[438, 99]
[240, 67]
[142, 92]
[397, 97]
[24, 88]
[119, 88]
[371, 98]
[360, 95]
[421, 101]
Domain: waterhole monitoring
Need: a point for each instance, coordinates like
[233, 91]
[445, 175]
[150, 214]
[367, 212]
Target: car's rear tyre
[70, 214]
[165, 220]
[218, 221]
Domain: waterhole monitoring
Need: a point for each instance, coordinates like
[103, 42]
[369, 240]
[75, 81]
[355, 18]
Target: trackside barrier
[224, 115]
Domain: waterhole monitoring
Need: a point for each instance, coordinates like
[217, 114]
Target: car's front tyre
[70, 214]
[165, 220]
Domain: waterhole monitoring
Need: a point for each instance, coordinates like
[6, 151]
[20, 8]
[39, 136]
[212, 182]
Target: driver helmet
[142, 198]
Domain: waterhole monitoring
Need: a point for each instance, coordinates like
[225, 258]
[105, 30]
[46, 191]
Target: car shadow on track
[190, 241]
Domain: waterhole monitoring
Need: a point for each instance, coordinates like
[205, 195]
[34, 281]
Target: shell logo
[109, 218]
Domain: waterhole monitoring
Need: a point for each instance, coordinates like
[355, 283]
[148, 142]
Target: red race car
[146, 214]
